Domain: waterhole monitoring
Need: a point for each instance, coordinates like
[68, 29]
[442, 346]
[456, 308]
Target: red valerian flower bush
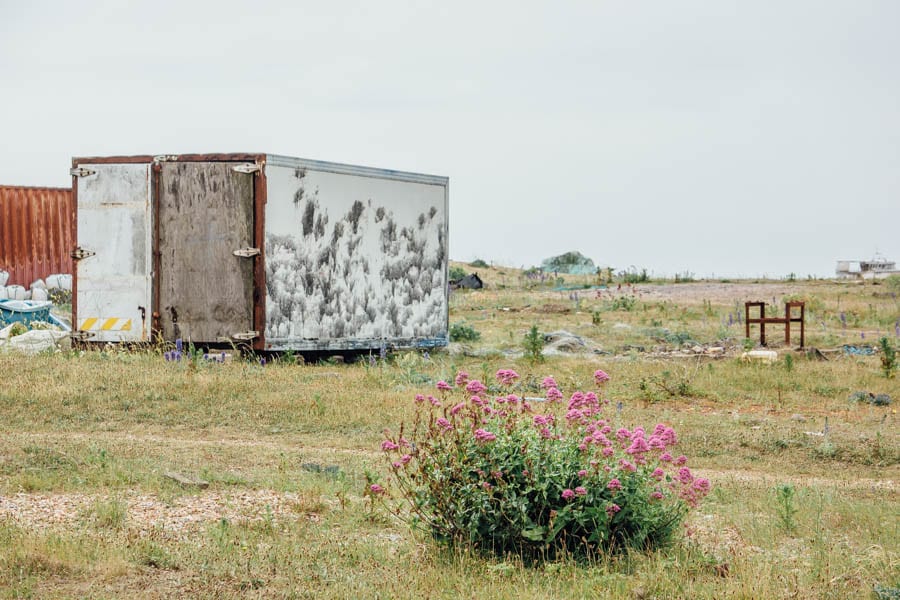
[536, 477]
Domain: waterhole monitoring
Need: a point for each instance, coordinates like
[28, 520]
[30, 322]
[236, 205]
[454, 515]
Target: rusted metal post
[787, 323]
[803, 326]
[762, 324]
[747, 319]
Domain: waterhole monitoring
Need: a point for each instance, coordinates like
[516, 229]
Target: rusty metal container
[37, 232]
[275, 252]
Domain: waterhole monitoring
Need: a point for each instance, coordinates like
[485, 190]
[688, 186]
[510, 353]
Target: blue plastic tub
[24, 311]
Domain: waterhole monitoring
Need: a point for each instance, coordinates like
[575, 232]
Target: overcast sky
[716, 137]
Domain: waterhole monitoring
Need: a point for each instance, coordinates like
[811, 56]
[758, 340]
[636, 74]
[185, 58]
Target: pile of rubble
[57, 288]
[26, 322]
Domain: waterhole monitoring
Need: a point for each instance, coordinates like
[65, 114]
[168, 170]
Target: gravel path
[146, 513]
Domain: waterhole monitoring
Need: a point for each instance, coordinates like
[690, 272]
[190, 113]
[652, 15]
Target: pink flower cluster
[614, 455]
[689, 488]
[554, 395]
[483, 436]
[568, 494]
[507, 376]
[600, 376]
[475, 387]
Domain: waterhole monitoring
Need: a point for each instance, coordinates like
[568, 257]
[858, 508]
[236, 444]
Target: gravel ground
[147, 513]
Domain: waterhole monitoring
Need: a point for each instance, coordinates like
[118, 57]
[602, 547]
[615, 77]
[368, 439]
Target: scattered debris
[565, 342]
[553, 309]
[32, 342]
[470, 282]
[815, 354]
[40, 289]
[852, 350]
[186, 481]
[798, 417]
[870, 398]
[766, 356]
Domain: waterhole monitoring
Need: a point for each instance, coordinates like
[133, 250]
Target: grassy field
[86, 441]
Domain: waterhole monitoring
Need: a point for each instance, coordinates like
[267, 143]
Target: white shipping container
[278, 252]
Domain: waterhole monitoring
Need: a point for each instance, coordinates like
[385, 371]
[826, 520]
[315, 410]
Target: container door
[113, 258]
[206, 251]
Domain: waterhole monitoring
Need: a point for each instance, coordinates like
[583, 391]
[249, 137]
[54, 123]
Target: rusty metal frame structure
[788, 318]
[259, 208]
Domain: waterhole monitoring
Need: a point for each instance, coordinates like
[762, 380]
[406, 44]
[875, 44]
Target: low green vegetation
[802, 460]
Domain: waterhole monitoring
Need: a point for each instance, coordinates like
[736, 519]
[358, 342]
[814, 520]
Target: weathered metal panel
[36, 232]
[114, 282]
[355, 257]
[205, 214]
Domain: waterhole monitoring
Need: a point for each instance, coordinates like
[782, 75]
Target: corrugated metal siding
[37, 232]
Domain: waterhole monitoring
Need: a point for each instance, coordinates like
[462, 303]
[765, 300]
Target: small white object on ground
[766, 356]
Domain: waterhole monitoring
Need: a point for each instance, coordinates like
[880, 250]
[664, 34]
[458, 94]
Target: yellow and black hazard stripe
[98, 324]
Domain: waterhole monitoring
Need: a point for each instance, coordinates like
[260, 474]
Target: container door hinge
[245, 336]
[247, 168]
[82, 172]
[247, 252]
[80, 253]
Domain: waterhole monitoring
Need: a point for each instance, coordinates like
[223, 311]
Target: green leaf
[534, 534]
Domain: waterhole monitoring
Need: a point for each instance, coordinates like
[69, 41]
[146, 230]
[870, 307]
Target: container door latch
[247, 252]
[79, 253]
[81, 172]
[247, 168]
[245, 336]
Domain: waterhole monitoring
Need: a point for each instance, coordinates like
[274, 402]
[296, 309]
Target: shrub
[460, 332]
[478, 263]
[785, 507]
[888, 357]
[456, 273]
[501, 477]
[626, 303]
[533, 344]
[632, 276]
